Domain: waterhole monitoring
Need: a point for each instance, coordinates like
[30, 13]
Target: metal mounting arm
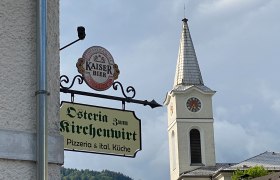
[152, 104]
[81, 36]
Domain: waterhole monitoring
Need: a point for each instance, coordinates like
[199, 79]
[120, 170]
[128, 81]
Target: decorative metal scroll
[128, 89]
[65, 79]
[128, 94]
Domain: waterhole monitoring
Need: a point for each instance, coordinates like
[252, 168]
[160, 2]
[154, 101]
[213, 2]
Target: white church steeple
[190, 114]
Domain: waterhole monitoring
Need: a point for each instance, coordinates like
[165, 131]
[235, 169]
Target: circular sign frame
[98, 68]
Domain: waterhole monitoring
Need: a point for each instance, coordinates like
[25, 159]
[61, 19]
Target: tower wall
[180, 122]
[207, 144]
[181, 106]
[173, 152]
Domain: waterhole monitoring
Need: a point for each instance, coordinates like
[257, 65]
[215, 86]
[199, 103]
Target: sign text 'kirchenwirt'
[100, 130]
[98, 68]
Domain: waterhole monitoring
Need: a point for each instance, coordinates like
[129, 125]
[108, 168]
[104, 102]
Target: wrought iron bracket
[126, 99]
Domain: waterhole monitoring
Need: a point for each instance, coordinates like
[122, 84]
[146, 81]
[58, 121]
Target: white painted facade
[18, 86]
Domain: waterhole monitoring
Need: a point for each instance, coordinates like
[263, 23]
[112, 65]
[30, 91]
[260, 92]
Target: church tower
[190, 114]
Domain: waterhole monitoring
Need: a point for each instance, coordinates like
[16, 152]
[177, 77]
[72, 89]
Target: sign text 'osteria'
[100, 130]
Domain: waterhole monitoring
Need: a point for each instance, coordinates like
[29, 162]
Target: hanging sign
[100, 130]
[98, 68]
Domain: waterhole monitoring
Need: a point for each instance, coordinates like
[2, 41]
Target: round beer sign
[98, 68]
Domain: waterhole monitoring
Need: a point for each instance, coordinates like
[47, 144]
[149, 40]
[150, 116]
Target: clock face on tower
[193, 104]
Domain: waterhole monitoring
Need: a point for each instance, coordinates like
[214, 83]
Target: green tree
[74, 174]
[253, 172]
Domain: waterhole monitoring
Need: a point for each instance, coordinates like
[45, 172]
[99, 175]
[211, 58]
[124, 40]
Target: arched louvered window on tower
[195, 146]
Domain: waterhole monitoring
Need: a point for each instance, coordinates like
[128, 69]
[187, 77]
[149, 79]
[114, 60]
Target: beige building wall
[18, 86]
[196, 178]
[224, 176]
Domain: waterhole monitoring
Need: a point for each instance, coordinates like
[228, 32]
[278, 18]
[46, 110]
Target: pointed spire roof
[187, 70]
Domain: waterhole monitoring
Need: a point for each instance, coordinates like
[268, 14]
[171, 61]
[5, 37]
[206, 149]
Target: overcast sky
[237, 44]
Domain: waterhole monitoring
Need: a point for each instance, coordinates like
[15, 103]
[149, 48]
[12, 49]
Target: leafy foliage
[74, 174]
[253, 172]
